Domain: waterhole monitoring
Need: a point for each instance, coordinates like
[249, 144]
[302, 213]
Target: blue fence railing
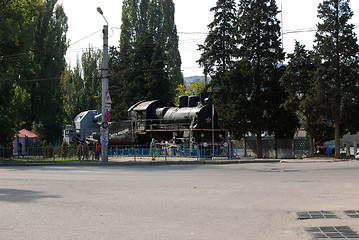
[179, 152]
[87, 152]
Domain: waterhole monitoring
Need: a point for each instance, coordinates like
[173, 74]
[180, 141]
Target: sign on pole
[108, 116]
[107, 106]
[108, 98]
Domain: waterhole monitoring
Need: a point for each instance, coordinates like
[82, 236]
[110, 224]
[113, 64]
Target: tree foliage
[81, 86]
[32, 48]
[248, 93]
[147, 63]
[219, 47]
[338, 72]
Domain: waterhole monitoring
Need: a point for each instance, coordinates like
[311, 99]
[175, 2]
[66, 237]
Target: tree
[298, 81]
[91, 64]
[32, 46]
[148, 55]
[338, 72]
[81, 86]
[121, 61]
[50, 45]
[170, 42]
[232, 98]
[194, 88]
[16, 37]
[219, 48]
[260, 51]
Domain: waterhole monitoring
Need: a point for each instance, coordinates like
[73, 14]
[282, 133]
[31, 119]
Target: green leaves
[32, 49]
[81, 86]
[338, 72]
[147, 64]
[219, 47]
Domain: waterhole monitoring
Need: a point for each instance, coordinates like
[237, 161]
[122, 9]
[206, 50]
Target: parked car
[357, 155]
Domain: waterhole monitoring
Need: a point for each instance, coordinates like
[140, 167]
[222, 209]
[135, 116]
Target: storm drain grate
[315, 215]
[338, 232]
[352, 213]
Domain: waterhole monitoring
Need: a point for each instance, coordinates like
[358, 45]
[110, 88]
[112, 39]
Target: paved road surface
[236, 201]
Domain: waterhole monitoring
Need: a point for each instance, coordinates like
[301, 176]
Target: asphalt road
[236, 201]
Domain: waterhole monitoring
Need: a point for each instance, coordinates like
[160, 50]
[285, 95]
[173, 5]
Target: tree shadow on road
[22, 196]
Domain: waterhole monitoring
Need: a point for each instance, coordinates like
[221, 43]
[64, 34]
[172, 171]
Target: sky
[299, 19]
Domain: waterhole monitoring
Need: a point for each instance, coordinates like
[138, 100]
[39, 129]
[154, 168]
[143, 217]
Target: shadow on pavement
[22, 196]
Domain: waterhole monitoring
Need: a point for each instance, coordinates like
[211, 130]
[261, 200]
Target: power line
[29, 80]
[185, 41]
[200, 33]
[85, 38]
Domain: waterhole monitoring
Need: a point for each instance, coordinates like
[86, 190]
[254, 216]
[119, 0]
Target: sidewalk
[131, 161]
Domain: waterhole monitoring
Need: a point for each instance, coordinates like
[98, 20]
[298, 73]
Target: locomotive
[194, 121]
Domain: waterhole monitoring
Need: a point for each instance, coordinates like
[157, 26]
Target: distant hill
[188, 80]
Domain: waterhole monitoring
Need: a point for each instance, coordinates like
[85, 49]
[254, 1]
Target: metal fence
[49, 153]
[279, 148]
[182, 151]
[120, 153]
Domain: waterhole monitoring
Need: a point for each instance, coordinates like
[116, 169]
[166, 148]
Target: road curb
[180, 162]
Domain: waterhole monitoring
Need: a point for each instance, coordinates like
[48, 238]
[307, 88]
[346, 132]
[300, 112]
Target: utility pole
[104, 125]
[213, 155]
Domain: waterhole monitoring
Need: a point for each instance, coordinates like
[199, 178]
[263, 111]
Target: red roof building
[26, 133]
[23, 139]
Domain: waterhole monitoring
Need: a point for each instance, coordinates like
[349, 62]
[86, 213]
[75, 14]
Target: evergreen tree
[232, 98]
[219, 48]
[337, 74]
[298, 81]
[258, 36]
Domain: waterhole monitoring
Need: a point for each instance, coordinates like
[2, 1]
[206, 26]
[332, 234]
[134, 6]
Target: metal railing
[85, 152]
[49, 153]
[180, 151]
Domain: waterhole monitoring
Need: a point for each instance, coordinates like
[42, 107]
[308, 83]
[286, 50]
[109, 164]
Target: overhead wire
[29, 80]
[185, 41]
[84, 38]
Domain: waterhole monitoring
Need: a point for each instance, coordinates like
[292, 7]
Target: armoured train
[194, 121]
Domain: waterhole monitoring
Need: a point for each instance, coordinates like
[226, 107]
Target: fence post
[293, 148]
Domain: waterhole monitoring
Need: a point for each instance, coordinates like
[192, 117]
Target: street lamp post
[104, 129]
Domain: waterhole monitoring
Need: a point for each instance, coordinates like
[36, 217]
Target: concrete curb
[180, 162]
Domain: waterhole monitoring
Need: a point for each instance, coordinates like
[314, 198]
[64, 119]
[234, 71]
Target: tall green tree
[32, 49]
[337, 74]
[170, 40]
[260, 48]
[219, 47]
[148, 55]
[298, 81]
[16, 37]
[50, 45]
[121, 61]
[91, 63]
[81, 86]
